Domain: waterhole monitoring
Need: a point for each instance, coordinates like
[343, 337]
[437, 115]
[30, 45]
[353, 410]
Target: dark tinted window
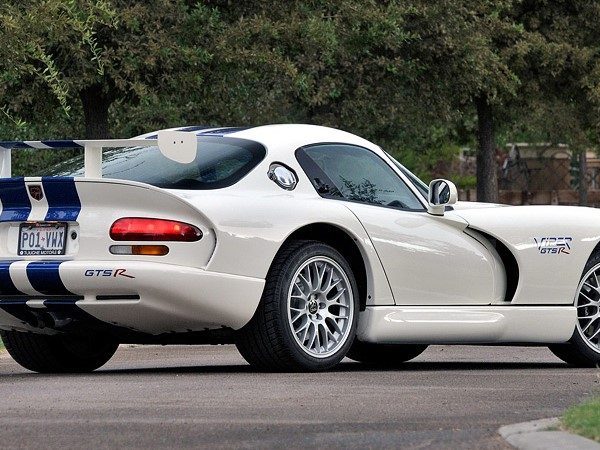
[220, 162]
[416, 181]
[355, 174]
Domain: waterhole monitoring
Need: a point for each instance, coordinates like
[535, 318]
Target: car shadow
[346, 367]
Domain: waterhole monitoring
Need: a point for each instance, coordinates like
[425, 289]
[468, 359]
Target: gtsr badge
[554, 245]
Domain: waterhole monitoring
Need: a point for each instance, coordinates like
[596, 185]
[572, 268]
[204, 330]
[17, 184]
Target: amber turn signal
[146, 250]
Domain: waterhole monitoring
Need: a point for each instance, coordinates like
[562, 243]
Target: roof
[276, 137]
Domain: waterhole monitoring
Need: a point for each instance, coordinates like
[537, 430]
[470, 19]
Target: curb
[541, 435]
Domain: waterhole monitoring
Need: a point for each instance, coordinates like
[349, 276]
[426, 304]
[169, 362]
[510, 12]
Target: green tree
[417, 77]
[64, 61]
[527, 67]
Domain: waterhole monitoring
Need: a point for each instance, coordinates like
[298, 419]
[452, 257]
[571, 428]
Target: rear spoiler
[179, 146]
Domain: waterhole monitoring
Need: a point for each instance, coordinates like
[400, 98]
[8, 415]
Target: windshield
[220, 162]
[416, 181]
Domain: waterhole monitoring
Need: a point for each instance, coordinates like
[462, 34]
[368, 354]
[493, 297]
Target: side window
[356, 174]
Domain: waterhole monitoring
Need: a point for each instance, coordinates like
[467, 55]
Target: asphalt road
[149, 397]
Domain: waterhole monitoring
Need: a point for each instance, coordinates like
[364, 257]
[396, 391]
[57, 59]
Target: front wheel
[583, 350]
[307, 316]
[58, 353]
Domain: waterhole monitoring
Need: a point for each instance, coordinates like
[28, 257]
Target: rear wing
[179, 146]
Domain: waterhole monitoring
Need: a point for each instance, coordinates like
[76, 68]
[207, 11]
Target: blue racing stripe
[194, 128]
[7, 287]
[62, 197]
[186, 129]
[51, 144]
[62, 144]
[14, 144]
[45, 278]
[221, 131]
[15, 201]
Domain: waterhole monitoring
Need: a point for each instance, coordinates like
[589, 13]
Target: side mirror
[441, 193]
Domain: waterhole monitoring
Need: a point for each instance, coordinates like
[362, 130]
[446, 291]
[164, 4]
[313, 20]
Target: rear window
[220, 162]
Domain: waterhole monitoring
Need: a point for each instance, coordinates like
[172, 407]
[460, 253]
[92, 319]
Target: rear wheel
[583, 350]
[307, 316]
[384, 355]
[58, 353]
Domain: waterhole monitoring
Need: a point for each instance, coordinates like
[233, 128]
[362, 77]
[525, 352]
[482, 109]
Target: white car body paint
[429, 279]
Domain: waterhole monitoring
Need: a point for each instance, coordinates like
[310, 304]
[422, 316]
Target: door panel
[429, 260]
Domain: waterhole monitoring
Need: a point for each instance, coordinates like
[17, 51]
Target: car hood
[515, 223]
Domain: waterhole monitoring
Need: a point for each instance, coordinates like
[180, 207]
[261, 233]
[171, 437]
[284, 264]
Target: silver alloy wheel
[320, 306]
[588, 308]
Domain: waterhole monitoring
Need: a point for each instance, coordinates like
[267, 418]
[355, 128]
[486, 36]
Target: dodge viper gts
[300, 244]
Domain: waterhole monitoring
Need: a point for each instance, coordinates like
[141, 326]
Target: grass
[584, 419]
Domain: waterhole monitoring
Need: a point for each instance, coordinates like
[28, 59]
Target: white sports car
[300, 244]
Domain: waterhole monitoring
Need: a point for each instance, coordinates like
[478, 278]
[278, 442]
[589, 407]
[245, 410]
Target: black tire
[58, 354]
[577, 352]
[384, 355]
[267, 341]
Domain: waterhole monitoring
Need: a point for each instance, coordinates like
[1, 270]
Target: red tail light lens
[143, 229]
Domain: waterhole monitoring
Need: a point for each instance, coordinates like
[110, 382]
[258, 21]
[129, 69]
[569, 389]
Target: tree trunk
[583, 187]
[487, 170]
[95, 112]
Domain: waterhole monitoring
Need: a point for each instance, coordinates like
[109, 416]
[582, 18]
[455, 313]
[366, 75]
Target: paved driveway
[147, 397]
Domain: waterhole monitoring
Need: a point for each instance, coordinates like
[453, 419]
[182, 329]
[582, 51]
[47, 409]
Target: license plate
[42, 238]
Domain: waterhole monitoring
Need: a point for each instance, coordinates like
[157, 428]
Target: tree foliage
[419, 78]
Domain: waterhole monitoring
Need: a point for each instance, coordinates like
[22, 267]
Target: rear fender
[90, 206]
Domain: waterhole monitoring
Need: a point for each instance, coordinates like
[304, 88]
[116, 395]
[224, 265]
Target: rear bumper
[146, 297]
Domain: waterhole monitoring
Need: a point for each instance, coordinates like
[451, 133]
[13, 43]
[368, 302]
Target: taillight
[145, 229]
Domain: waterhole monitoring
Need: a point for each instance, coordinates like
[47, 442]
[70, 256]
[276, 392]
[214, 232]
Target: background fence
[541, 174]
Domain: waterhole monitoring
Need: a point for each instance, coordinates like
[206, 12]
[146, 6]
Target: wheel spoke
[329, 281]
[294, 319]
[593, 336]
[587, 298]
[338, 316]
[586, 316]
[335, 326]
[591, 286]
[341, 305]
[332, 285]
[325, 337]
[337, 296]
[320, 276]
[589, 324]
[306, 281]
[332, 338]
[313, 335]
[305, 329]
[296, 286]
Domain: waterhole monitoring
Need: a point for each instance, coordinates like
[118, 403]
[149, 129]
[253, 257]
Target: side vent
[508, 259]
